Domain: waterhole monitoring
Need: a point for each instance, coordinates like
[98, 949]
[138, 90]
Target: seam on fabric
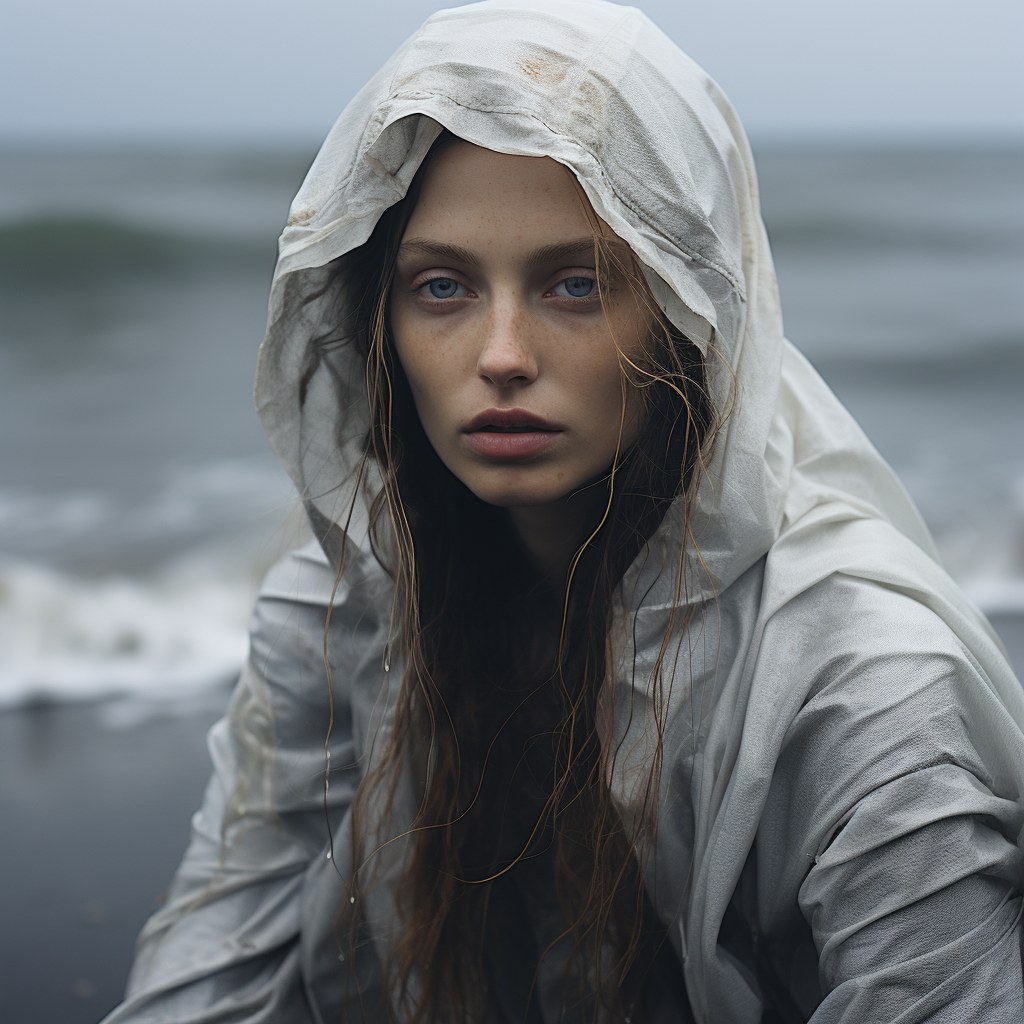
[628, 15]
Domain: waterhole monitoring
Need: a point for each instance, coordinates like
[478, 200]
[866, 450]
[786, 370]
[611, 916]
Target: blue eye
[443, 288]
[577, 287]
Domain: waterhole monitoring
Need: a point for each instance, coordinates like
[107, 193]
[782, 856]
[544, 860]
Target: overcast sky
[282, 70]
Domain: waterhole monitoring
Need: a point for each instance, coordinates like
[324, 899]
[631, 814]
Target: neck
[553, 533]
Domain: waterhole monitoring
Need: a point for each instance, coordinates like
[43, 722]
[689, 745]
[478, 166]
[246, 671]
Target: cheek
[419, 357]
[609, 398]
[596, 375]
[421, 372]
[434, 365]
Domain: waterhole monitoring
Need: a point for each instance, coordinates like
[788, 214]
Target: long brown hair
[499, 713]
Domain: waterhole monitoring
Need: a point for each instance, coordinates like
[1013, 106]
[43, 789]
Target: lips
[510, 434]
[509, 421]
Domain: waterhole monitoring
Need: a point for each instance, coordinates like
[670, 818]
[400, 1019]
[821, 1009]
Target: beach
[96, 799]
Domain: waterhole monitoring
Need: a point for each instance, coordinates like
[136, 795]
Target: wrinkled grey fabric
[840, 801]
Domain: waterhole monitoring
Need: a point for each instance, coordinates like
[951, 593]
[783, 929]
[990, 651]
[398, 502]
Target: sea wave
[67, 251]
[221, 502]
[858, 236]
[68, 638]
[102, 596]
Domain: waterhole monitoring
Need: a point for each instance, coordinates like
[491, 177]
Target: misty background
[148, 154]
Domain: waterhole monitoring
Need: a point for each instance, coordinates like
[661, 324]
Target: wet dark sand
[95, 806]
[95, 802]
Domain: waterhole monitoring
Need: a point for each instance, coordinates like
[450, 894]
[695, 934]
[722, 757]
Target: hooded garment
[840, 805]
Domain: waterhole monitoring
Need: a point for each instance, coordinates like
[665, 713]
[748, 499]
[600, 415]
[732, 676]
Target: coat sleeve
[915, 911]
[908, 873]
[226, 943]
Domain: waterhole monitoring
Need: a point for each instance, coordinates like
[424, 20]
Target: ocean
[139, 503]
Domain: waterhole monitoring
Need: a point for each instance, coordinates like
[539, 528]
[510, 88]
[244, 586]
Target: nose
[507, 357]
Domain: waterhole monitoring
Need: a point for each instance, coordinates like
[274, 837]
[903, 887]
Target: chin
[521, 493]
[516, 499]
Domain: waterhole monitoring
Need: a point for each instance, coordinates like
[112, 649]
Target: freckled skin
[508, 332]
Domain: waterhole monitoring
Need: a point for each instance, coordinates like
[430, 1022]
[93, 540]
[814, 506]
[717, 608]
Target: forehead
[488, 200]
[466, 183]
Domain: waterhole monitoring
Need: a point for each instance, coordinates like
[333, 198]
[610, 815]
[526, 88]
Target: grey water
[135, 288]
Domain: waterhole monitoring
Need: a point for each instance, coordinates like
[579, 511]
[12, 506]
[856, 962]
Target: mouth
[510, 421]
[506, 435]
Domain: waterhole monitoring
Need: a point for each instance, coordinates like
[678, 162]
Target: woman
[622, 681]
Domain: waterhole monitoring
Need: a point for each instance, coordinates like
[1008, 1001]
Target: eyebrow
[442, 250]
[560, 251]
[539, 257]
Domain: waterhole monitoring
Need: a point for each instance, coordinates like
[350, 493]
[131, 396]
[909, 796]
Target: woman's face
[497, 322]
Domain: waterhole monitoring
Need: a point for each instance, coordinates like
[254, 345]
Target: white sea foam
[169, 631]
[68, 638]
[164, 632]
[996, 596]
[979, 529]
